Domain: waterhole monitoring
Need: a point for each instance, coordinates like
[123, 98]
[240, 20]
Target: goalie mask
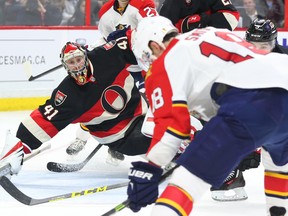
[75, 61]
[149, 29]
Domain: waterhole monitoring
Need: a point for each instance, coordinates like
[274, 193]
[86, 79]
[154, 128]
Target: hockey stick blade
[125, 203]
[61, 167]
[31, 78]
[10, 188]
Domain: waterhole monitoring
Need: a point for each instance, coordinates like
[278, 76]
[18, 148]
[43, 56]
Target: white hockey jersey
[110, 19]
[180, 80]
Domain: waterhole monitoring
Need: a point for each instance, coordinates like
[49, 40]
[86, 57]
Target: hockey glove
[143, 187]
[138, 79]
[251, 161]
[118, 34]
[194, 21]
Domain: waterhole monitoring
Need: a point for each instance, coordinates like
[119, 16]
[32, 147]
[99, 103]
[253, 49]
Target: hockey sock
[276, 191]
[276, 184]
[177, 200]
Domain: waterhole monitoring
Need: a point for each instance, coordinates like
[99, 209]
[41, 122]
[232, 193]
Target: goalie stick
[6, 169]
[10, 188]
[125, 203]
[37, 152]
[61, 167]
[31, 77]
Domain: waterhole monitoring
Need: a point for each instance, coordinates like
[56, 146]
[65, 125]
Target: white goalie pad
[12, 153]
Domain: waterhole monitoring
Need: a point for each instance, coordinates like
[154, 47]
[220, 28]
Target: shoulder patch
[59, 99]
[109, 45]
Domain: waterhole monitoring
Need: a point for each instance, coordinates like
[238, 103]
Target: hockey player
[122, 14]
[119, 14]
[230, 84]
[263, 34]
[116, 15]
[233, 186]
[99, 93]
[187, 15]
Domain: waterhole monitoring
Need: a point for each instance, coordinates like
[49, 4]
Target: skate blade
[236, 194]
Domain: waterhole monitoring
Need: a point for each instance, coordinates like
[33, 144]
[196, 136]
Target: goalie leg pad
[12, 153]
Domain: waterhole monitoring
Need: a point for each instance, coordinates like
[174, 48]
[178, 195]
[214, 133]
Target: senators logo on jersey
[60, 97]
[109, 45]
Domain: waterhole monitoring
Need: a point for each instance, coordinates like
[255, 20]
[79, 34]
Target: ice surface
[36, 181]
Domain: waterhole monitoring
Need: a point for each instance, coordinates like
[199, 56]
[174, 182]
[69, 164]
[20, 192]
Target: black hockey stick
[61, 167]
[10, 188]
[125, 203]
[31, 77]
[6, 169]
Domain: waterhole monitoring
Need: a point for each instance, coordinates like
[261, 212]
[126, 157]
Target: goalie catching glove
[118, 34]
[143, 187]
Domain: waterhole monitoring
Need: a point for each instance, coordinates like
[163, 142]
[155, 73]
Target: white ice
[37, 182]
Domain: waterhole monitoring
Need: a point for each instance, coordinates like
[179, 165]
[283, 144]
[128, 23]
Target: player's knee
[269, 164]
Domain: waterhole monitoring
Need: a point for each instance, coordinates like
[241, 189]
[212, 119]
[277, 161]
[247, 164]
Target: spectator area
[34, 32]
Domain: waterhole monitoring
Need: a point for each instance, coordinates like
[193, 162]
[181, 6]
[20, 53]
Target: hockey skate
[114, 157]
[232, 189]
[75, 147]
